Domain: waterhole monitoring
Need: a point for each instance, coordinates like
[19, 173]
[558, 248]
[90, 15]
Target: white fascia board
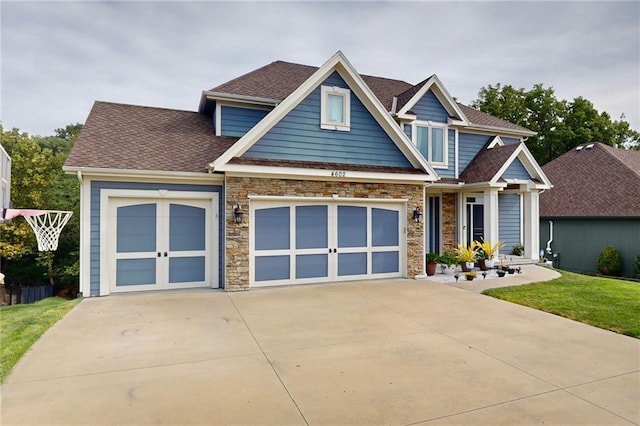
[529, 163]
[273, 172]
[151, 175]
[477, 128]
[241, 99]
[338, 62]
[441, 92]
[496, 141]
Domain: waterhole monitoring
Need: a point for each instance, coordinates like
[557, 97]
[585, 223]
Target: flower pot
[501, 273]
[431, 268]
[448, 270]
[489, 263]
[482, 264]
[470, 265]
[511, 271]
[469, 277]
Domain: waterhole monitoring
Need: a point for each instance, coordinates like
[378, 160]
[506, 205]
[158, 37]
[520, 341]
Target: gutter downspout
[550, 237]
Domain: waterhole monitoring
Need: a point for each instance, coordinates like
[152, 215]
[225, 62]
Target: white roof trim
[338, 62]
[496, 141]
[248, 170]
[441, 92]
[241, 99]
[144, 174]
[529, 163]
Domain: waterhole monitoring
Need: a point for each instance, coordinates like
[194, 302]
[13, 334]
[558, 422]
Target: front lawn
[22, 325]
[602, 302]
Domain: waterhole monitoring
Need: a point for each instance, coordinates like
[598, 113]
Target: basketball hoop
[46, 224]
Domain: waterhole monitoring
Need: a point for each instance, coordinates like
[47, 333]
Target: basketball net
[46, 224]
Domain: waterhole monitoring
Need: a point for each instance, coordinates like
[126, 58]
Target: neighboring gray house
[594, 203]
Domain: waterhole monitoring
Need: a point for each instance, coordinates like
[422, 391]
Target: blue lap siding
[429, 108]
[95, 246]
[469, 146]
[236, 121]
[509, 221]
[516, 170]
[298, 136]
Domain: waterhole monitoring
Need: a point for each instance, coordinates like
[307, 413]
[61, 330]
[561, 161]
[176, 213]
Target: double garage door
[297, 242]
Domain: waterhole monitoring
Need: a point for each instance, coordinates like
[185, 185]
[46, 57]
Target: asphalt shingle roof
[143, 138]
[598, 182]
[486, 163]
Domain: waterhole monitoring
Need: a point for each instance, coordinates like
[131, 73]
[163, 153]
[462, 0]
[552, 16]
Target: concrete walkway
[399, 352]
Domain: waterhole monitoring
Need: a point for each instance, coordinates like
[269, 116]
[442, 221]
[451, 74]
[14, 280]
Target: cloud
[57, 58]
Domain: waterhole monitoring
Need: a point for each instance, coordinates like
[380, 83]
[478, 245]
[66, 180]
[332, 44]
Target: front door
[304, 242]
[159, 244]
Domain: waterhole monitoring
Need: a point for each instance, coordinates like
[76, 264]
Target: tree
[560, 125]
[38, 182]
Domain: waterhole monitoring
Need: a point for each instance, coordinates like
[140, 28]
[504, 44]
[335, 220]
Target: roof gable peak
[433, 84]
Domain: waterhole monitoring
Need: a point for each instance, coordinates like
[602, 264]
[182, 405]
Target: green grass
[22, 325]
[602, 302]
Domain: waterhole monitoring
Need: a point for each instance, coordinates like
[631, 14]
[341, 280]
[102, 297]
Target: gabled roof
[408, 99]
[599, 181]
[279, 79]
[337, 63]
[495, 158]
[118, 136]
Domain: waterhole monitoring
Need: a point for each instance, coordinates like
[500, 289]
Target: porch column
[491, 215]
[531, 225]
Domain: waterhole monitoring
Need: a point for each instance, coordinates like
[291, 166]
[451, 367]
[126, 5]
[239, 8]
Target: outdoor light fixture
[238, 214]
[417, 214]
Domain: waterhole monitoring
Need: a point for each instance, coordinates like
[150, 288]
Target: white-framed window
[432, 142]
[335, 108]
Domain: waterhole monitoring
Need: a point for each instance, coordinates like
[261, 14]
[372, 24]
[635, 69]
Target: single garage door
[297, 242]
[159, 244]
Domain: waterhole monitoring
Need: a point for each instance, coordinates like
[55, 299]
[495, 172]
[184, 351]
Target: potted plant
[466, 256]
[432, 263]
[449, 262]
[487, 253]
[470, 275]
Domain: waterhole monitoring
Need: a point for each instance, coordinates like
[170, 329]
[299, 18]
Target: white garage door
[305, 242]
[158, 244]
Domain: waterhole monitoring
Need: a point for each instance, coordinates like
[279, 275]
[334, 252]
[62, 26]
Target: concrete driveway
[385, 352]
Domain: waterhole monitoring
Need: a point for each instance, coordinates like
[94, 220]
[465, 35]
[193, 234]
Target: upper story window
[335, 107]
[431, 140]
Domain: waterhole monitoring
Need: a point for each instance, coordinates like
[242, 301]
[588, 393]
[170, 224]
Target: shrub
[610, 261]
[636, 266]
[517, 250]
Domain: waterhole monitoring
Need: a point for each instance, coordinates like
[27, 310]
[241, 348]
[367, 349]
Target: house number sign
[338, 173]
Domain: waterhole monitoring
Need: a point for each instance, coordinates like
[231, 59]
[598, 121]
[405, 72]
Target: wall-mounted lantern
[238, 214]
[417, 214]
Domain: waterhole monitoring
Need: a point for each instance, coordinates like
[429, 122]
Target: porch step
[514, 260]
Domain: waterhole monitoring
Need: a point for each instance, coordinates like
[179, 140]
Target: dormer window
[335, 108]
[431, 140]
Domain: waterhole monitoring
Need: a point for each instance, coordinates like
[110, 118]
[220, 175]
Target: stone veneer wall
[238, 189]
[449, 237]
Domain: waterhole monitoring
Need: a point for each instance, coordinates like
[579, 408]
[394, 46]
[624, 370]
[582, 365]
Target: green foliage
[432, 257]
[636, 266]
[466, 254]
[610, 261]
[486, 250]
[602, 302]
[448, 259]
[517, 250]
[560, 125]
[38, 182]
[22, 325]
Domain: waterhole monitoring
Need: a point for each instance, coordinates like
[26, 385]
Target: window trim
[325, 91]
[430, 125]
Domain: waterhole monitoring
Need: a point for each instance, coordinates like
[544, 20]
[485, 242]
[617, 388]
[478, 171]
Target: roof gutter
[219, 96]
[80, 172]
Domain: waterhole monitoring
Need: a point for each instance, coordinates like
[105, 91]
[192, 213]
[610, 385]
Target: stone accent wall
[449, 238]
[238, 189]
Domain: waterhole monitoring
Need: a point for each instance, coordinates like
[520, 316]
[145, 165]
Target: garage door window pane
[352, 264]
[186, 228]
[311, 227]
[186, 269]
[272, 228]
[136, 228]
[269, 268]
[312, 266]
[385, 262]
[135, 272]
[384, 227]
[352, 226]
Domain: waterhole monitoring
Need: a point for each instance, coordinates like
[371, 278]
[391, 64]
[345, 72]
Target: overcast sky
[59, 57]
